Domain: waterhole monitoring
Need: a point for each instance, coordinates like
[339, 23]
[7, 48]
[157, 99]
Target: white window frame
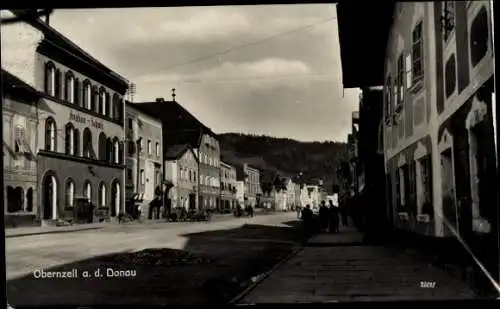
[53, 135]
[70, 193]
[150, 147]
[102, 195]
[157, 149]
[116, 151]
[71, 90]
[143, 177]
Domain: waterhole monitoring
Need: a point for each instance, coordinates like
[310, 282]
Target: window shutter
[76, 142]
[120, 153]
[58, 84]
[408, 70]
[47, 135]
[67, 140]
[76, 91]
[47, 77]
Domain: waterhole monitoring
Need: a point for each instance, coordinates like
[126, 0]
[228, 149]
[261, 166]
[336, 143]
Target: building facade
[228, 187]
[437, 99]
[240, 193]
[251, 177]
[144, 156]
[19, 120]
[209, 157]
[181, 169]
[80, 126]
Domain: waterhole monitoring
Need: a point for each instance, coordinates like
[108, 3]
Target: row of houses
[434, 107]
[73, 144]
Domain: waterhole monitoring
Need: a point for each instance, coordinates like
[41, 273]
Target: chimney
[160, 100]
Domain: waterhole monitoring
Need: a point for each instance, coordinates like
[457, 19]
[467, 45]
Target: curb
[264, 276]
[53, 232]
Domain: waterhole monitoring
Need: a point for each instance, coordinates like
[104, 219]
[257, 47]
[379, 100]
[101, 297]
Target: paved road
[28, 253]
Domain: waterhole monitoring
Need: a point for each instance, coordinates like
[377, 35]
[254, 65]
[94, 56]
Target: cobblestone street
[337, 272]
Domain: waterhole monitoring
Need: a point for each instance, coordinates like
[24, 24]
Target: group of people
[329, 217]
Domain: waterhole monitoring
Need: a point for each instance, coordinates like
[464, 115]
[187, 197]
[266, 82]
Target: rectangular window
[143, 177]
[157, 149]
[417, 53]
[129, 174]
[150, 148]
[130, 123]
[20, 140]
[400, 79]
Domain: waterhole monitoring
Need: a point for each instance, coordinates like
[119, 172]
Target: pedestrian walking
[334, 218]
[323, 217]
[307, 217]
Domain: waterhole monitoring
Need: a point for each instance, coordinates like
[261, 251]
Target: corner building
[80, 130]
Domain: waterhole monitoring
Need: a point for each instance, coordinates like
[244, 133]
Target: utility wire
[251, 43]
[250, 78]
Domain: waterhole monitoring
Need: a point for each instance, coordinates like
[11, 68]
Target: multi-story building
[144, 156]
[310, 195]
[290, 193]
[227, 186]
[209, 154]
[179, 127]
[19, 120]
[280, 193]
[438, 79]
[267, 199]
[181, 169]
[251, 177]
[80, 122]
[240, 193]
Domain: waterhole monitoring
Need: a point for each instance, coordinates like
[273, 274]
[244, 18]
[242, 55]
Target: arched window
[29, 200]
[70, 87]
[479, 36]
[76, 142]
[107, 104]
[109, 150]
[102, 195]
[88, 151]
[70, 139]
[57, 84]
[50, 78]
[150, 147]
[103, 156]
[70, 192]
[102, 101]
[87, 94]
[77, 91]
[87, 190]
[50, 134]
[158, 149]
[116, 151]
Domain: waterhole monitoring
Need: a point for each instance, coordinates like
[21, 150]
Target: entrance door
[448, 188]
[49, 197]
[192, 201]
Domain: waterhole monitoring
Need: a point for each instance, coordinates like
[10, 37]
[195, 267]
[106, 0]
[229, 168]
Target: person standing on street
[323, 216]
[334, 218]
[307, 217]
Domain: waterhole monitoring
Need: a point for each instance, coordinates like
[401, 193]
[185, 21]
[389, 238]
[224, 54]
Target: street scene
[250, 154]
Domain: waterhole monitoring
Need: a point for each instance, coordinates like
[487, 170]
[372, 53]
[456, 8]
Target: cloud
[258, 70]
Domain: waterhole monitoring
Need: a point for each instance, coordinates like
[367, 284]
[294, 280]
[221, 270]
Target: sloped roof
[54, 36]
[141, 109]
[179, 125]
[174, 152]
[12, 82]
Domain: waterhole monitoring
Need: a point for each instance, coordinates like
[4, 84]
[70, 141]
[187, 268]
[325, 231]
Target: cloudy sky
[271, 70]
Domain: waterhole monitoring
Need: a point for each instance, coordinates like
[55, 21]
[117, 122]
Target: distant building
[240, 192]
[143, 133]
[181, 169]
[19, 119]
[228, 187]
[251, 177]
[267, 198]
[310, 195]
[179, 126]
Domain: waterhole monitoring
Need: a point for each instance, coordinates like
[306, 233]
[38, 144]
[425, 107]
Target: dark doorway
[49, 191]
[192, 201]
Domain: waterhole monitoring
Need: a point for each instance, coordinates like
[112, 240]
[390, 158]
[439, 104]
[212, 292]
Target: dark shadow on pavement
[212, 268]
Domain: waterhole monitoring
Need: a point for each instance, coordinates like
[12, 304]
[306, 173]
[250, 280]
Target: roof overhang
[363, 29]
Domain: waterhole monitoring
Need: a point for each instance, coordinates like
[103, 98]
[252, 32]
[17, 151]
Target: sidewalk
[328, 269]
[40, 230]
